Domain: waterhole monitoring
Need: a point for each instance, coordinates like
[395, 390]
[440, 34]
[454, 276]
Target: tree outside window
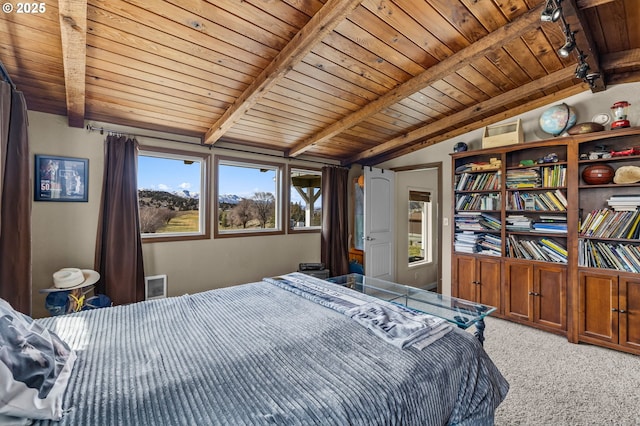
[248, 196]
[172, 194]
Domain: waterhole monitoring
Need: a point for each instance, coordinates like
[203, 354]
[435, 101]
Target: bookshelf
[547, 248]
[477, 239]
[608, 248]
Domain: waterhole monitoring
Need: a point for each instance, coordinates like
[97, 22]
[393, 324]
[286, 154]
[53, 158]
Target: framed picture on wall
[61, 178]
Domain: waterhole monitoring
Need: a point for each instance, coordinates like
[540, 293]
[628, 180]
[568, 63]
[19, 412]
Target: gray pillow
[35, 366]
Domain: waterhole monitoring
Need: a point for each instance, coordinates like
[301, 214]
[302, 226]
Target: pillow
[35, 366]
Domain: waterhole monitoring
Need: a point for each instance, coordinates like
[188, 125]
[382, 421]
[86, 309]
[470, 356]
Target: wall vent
[155, 287]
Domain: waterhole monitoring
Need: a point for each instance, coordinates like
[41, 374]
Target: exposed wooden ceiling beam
[73, 30]
[322, 23]
[464, 57]
[625, 61]
[461, 130]
[471, 112]
[585, 4]
[584, 41]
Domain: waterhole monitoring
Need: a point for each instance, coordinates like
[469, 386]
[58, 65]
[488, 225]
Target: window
[249, 197]
[305, 200]
[172, 194]
[420, 232]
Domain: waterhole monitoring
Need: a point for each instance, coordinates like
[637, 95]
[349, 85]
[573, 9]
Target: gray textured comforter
[257, 354]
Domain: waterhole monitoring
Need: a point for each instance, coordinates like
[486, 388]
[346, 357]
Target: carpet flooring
[554, 382]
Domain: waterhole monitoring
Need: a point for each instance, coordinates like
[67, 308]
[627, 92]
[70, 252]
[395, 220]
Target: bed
[263, 353]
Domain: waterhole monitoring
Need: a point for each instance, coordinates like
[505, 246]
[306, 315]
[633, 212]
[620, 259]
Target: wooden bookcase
[518, 243]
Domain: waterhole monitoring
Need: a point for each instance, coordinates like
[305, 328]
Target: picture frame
[61, 179]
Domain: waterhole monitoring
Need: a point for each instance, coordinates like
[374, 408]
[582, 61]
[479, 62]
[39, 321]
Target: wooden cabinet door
[550, 296]
[597, 297]
[464, 279]
[629, 312]
[488, 282]
[518, 302]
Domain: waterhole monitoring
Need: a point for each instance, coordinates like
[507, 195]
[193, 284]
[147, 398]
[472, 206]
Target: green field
[183, 222]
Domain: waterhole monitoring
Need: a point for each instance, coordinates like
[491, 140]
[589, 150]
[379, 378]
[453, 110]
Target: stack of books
[556, 224]
[466, 242]
[518, 223]
[476, 221]
[523, 178]
[624, 202]
[490, 245]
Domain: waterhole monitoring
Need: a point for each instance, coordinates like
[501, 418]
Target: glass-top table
[460, 312]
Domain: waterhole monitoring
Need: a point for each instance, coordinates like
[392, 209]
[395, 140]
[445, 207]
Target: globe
[557, 119]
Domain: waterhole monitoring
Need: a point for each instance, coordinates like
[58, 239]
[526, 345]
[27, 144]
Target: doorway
[418, 226]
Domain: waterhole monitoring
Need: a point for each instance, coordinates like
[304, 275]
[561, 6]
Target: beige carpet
[554, 382]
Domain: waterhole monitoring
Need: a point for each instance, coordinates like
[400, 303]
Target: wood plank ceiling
[348, 80]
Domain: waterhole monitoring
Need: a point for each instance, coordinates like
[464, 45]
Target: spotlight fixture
[582, 69]
[569, 45]
[591, 78]
[552, 11]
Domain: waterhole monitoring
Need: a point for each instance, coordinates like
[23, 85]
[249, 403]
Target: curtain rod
[92, 128]
[6, 75]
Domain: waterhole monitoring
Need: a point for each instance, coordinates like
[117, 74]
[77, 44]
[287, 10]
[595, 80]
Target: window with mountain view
[248, 197]
[172, 188]
[305, 200]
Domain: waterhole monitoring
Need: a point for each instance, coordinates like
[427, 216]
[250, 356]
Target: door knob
[369, 238]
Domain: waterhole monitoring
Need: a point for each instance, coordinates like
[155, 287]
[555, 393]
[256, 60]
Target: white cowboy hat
[71, 278]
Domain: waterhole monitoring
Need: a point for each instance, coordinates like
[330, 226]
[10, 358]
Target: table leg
[480, 331]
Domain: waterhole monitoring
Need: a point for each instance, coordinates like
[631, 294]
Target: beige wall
[420, 275]
[586, 104]
[64, 233]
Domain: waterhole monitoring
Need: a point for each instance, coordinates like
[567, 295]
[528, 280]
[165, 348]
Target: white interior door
[379, 223]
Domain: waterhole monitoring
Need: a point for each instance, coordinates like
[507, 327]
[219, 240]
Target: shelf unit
[547, 264]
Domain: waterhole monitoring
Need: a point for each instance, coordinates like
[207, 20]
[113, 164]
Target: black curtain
[15, 200]
[335, 220]
[118, 243]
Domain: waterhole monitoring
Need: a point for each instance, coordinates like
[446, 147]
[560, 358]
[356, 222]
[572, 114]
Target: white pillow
[35, 366]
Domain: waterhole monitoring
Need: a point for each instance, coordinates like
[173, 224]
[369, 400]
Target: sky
[173, 175]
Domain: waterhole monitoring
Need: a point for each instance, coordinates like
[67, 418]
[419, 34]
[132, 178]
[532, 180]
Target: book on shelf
[476, 221]
[470, 242]
[523, 178]
[557, 227]
[554, 175]
[478, 201]
[547, 250]
[478, 181]
[624, 202]
[598, 254]
[518, 223]
[554, 246]
[543, 201]
[552, 218]
[607, 223]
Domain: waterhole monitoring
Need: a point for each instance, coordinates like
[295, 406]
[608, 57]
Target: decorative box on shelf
[502, 134]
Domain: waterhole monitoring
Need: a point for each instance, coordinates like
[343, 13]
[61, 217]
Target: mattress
[257, 354]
